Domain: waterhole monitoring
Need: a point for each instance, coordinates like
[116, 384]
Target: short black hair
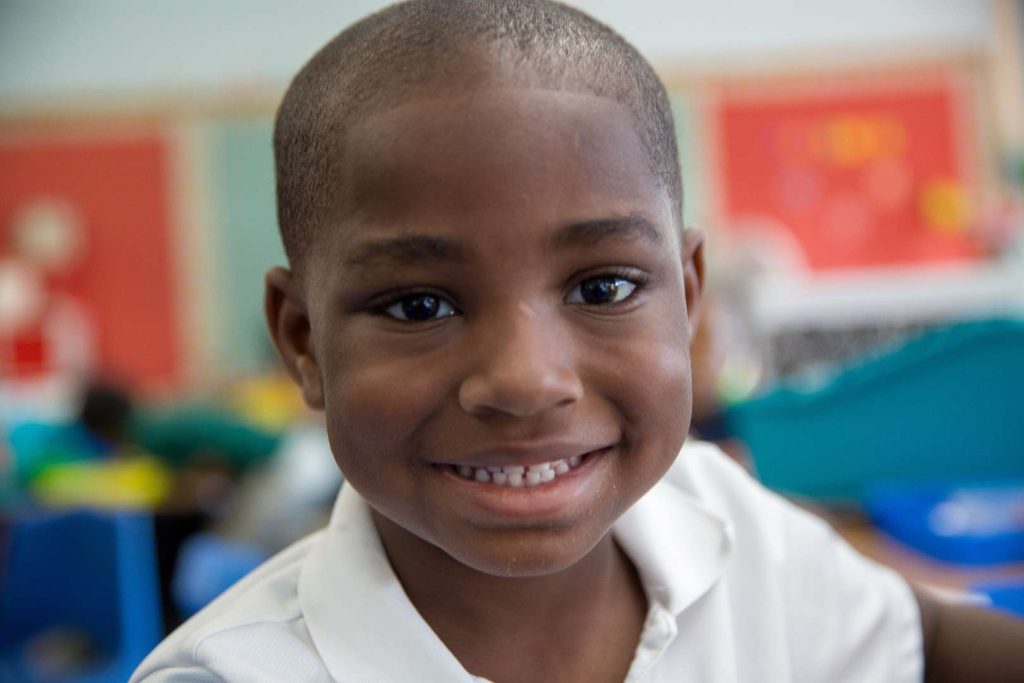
[412, 45]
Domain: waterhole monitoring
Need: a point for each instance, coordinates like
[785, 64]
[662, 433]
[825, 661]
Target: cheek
[372, 408]
[375, 409]
[649, 380]
[672, 399]
[374, 417]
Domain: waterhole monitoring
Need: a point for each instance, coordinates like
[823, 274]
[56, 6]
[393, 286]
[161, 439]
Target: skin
[963, 643]
[501, 203]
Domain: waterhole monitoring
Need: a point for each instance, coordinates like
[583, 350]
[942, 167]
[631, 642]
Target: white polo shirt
[742, 586]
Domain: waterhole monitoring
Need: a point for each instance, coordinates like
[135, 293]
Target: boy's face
[507, 287]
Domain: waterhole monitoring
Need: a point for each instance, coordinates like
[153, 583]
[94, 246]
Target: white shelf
[886, 296]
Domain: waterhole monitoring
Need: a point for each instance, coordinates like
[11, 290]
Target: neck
[547, 621]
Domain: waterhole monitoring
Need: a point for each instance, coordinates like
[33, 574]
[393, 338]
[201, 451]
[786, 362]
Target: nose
[523, 366]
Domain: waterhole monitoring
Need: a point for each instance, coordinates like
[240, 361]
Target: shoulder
[759, 518]
[791, 572]
[705, 474]
[703, 470]
[253, 629]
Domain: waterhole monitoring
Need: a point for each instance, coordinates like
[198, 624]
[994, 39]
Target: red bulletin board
[118, 187]
[858, 175]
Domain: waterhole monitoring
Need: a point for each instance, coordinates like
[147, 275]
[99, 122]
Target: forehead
[495, 162]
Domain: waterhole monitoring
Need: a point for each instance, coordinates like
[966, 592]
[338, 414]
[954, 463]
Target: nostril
[568, 401]
[519, 394]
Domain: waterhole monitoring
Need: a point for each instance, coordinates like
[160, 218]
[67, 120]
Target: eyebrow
[410, 250]
[407, 250]
[626, 228]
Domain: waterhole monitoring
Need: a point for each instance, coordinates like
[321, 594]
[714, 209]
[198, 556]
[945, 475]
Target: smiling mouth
[519, 476]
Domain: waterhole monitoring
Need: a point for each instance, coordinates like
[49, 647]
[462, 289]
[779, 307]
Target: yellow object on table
[138, 481]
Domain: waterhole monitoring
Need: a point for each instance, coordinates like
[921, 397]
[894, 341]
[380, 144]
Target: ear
[693, 276]
[288, 322]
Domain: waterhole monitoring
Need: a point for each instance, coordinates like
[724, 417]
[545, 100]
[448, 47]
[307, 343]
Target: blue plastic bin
[1004, 596]
[977, 524]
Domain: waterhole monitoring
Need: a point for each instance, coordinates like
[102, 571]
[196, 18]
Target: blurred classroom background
[859, 171]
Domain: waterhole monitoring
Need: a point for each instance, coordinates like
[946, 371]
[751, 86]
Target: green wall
[245, 240]
[691, 157]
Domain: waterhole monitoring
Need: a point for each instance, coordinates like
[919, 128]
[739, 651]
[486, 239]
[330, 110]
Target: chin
[523, 557]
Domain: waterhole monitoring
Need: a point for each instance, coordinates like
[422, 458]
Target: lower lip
[542, 501]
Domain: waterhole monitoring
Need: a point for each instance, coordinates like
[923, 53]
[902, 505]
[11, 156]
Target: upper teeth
[520, 475]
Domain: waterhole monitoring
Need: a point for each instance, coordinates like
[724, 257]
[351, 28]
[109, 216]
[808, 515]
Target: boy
[491, 298]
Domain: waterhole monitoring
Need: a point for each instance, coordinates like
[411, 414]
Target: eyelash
[399, 298]
[638, 281]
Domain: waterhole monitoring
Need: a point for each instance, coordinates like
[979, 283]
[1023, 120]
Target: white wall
[55, 47]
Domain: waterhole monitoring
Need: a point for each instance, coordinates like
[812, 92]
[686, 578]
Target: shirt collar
[358, 615]
[365, 627]
[679, 547]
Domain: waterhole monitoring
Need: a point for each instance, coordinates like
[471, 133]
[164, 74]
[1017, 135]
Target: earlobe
[312, 387]
[693, 276]
[288, 323]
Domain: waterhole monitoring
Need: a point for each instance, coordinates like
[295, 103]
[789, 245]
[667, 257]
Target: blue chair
[207, 566]
[88, 577]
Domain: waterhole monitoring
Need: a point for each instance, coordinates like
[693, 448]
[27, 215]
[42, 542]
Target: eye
[419, 308]
[602, 291]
